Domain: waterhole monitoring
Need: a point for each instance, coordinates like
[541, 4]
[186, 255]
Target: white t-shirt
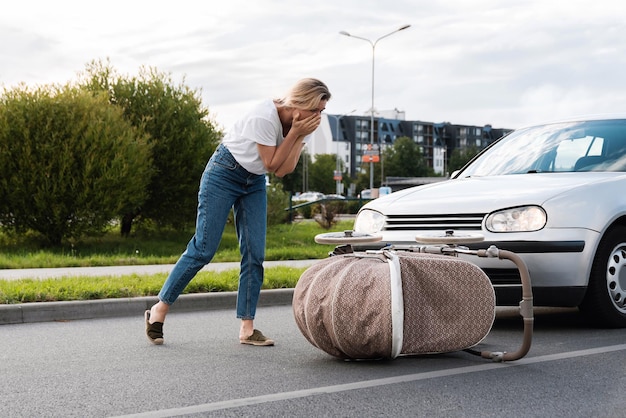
[260, 126]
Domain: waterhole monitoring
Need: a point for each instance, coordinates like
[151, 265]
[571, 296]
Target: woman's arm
[290, 161]
[282, 160]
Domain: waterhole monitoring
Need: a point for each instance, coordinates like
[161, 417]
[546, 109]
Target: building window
[362, 124]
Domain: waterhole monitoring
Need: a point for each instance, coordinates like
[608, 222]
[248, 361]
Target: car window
[570, 151]
[562, 147]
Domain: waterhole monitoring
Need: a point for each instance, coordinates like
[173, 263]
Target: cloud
[507, 63]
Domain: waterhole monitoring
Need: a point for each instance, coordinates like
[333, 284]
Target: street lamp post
[337, 119]
[373, 44]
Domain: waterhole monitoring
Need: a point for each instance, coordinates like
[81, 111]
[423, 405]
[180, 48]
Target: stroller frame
[449, 245]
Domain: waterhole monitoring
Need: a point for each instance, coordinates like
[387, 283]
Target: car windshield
[598, 145]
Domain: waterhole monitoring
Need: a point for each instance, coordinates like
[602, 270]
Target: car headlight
[521, 219]
[369, 222]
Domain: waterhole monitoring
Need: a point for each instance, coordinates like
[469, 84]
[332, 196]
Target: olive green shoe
[154, 331]
[257, 338]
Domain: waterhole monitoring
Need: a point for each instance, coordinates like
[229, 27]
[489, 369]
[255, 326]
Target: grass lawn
[284, 242]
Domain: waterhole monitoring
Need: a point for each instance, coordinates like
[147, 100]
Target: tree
[182, 137]
[321, 174]
[363, 179]
[293, 182]
[459, 158]
[69, 162]
[277, 201]
[404, 159]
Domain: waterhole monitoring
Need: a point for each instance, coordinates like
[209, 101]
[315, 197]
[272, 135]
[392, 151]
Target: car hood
[485, 194]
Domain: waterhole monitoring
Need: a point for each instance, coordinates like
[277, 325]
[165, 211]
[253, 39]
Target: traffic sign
[371, 158]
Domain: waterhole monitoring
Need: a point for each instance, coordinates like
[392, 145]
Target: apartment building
[349, 137]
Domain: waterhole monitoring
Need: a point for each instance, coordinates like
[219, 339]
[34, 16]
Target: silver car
[555, 194]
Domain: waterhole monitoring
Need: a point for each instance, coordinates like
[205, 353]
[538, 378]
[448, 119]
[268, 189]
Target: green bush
[329, 210]
[179, 129]
[277, 201]
[307, 211]
[352, 206]
[69, 162]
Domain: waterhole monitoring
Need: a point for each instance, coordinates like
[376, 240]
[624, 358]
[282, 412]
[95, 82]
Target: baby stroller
[399, 301]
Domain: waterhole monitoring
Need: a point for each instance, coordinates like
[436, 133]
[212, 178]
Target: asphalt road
[106, 367]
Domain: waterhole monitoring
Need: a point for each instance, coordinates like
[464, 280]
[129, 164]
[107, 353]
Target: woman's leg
[218, 191]
[251, 221]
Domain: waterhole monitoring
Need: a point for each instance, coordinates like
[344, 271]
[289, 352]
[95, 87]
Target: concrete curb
[107, 308]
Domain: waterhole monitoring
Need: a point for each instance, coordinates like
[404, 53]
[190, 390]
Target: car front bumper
[559, 261]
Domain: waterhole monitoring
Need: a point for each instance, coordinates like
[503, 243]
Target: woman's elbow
[271, 167]
[283, 171]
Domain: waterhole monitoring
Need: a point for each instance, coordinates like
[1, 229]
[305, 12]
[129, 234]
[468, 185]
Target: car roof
[579, 118]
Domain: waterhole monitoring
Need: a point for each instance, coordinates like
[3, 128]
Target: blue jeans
[226, 184]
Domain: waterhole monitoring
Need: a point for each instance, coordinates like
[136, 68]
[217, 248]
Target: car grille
[457, 222]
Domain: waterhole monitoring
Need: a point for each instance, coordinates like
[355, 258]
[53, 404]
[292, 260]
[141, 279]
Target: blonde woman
[268, 139]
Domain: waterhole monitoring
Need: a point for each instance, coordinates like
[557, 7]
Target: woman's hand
[283, 159]
[303, 127]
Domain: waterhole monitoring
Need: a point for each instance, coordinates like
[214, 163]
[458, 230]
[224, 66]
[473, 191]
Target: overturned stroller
[399, 301]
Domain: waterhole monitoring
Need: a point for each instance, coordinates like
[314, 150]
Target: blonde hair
[306, 94]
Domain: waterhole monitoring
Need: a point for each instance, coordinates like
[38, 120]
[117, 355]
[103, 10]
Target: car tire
[605, 300]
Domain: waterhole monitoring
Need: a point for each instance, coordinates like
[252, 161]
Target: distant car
[308, 197]
[334, 196]
[555, 194]
[366, 194]
[384, 190]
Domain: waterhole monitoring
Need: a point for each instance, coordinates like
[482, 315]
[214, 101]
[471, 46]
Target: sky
[506, 63]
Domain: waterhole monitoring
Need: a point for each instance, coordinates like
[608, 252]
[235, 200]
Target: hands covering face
[304, 125]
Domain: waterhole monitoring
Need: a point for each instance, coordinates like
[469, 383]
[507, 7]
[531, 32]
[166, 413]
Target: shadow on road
[545, 319]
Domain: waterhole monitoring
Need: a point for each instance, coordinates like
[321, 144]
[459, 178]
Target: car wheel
[605, 301]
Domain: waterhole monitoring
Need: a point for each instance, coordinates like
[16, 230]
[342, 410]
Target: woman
[269, 139]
